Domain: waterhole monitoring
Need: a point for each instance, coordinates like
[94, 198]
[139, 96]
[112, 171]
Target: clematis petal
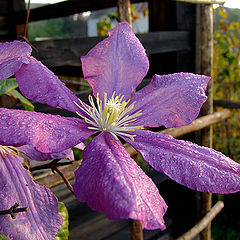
[196, 167]
[171, 100]
[12, 56]
[41, 221]
[38, 83]
[47, 133]
[33, 154]
[111, 182]
[118, 63]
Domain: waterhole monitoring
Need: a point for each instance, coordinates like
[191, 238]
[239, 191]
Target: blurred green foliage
[222, 231]
[226, 72]
[65, 27]
[105, 23]
[3, 237]
[63, 230]
[47, 29]
[8, 87]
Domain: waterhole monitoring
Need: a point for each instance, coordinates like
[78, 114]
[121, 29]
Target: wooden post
[124, 11]
[136, 232]
[206, 24]
[194, 231]
[124, 15]
[19, 5]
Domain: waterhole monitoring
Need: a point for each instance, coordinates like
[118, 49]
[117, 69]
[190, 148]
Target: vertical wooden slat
[124, 15]
[136, 232]
[162, 17]
[206, 21]
[206, 204]
[19, 5]
[124, 11]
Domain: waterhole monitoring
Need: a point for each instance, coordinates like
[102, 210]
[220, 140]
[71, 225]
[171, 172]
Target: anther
[110, 115]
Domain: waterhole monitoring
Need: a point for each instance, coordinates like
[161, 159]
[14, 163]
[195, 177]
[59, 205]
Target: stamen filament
[110, 115]
[4, 150]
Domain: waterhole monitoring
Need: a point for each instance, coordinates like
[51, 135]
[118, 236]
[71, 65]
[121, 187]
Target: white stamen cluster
[111, 115]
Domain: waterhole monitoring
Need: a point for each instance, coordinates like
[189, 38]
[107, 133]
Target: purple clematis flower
[108, 179]
[41, 221]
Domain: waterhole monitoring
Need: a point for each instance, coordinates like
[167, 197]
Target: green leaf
[63, 230]
[7, 85]
[3, 237]
[26, 103]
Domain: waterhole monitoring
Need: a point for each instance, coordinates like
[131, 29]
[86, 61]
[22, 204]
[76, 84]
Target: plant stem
[54, 166]
[64, 179]
[26, 23]
[13, 210]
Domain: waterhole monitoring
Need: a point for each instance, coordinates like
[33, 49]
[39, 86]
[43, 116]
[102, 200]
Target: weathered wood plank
[226, 104]
[162, 15]
[99, 227]
[167, 15]
[185, 16]
[166, 41]
[203, 1]
[67, 52]
[64, 9]
[51, 179]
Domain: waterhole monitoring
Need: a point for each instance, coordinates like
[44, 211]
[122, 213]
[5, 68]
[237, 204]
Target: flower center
[111, 115]
[4, 150]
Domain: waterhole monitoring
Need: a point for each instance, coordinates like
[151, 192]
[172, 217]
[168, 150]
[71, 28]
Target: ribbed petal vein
[111, 182]
[47, 133]
[12, 56]
[33, 154]
[41, 221]
[171, 100]
[118, 63]
[196, 167]
[38, 83]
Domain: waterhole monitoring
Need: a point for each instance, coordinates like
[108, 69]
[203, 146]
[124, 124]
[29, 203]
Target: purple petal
[47, 133]
[111, 182]
[12, 56]
[196, 167]
[38, 83]
[42, 220]
[171, 100]
[33, 154]
[118, 63]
